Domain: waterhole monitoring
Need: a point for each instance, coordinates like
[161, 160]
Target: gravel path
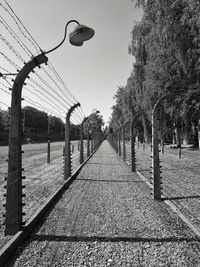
[108, 218]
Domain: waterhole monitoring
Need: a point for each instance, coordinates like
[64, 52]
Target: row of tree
[39, 126]
[166, 47]
[34, 120]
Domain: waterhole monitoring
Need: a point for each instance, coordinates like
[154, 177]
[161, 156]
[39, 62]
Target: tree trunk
[195, 135]
[178, 136]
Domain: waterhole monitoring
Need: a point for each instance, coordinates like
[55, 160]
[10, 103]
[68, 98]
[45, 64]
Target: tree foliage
[37, 120]
[166, 47]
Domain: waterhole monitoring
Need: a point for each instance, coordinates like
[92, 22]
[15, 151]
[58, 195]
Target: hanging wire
[4, 104]
[82, 114]
[60, 99]
[11, 48]
[47, 93]
[50, 102]
[63, 83]
[6, 79]
[54, 96]
[17, 38]
[62, 91]
[4, 69]
[51, 88]
[77, 115]
[9, 60]
[2, 84]
[41, 107]
[17, 21]
[5, 91]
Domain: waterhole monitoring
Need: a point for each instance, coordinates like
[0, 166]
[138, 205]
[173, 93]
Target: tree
[169, 34]
[56, 125]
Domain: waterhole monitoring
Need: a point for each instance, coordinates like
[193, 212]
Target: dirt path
[108, 218]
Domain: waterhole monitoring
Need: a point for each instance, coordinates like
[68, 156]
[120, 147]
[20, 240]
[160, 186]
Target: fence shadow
[117, 239]
[109, 181]
[177, 198]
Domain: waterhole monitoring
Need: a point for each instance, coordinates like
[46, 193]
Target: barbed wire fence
[46, 91]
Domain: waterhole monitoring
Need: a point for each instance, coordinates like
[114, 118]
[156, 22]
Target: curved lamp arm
[80, 34]
[70, 21]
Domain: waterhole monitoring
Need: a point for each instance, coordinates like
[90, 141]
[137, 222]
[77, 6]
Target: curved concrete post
[119, 142]
[81, 142]
[13, 222]
[133, 156]
[155, 153]
[67, 164]
[123, 144]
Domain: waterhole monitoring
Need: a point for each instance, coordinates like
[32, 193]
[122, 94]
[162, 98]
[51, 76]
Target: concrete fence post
[123, 143]
[155, 153]
[155, 159]
[67, 160]
[88, 141]
[81, 142]
[119, 142]
[48, 151]
[14, 194]
[92, 140]
[133, 154]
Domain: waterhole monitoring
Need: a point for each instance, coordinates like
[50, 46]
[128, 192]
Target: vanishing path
[108, 218]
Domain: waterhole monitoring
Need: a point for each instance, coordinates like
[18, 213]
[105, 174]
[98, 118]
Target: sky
[93, 71]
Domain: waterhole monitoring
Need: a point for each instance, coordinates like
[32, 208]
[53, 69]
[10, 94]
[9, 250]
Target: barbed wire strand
[12, 49]
[51, 88]
[62, 91]
[47, 93]
[52, 104]
[16, 37]
[4, 104]
[16, 19]
[41, 107]
[63, 83]
[9, 60]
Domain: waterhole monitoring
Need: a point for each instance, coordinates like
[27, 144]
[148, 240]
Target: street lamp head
[81, 34]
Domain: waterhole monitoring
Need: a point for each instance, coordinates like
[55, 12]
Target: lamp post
[13, 221]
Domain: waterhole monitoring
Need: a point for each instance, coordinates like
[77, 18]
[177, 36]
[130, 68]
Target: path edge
[22, 235]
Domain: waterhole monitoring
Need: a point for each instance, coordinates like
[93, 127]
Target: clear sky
[94, 71]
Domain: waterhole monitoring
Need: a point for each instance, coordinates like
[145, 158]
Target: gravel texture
[108, 218]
